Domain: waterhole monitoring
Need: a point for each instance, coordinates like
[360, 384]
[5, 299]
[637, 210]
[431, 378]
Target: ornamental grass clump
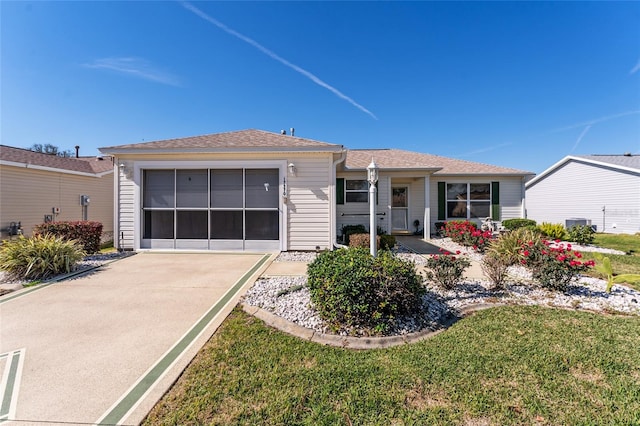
[351, 289]
[39, 257]
[446, 269]
[554, 266]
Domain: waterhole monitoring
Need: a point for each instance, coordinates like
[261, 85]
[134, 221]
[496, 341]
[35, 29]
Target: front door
[400, 209]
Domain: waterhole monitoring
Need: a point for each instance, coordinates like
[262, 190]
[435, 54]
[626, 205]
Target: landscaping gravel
[289, 298]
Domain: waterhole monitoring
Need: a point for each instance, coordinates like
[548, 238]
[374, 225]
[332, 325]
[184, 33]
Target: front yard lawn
[507, 365]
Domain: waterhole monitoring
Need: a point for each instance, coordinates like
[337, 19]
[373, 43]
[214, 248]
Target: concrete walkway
[421, 246]
[104, 347]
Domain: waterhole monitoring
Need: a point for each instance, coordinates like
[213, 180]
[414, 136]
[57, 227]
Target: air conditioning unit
[576, 221]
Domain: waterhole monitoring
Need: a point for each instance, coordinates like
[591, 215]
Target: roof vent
[627, 154]
[292, 130]
[283, 132]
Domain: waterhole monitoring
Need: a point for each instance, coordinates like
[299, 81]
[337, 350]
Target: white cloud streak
[486, 149]
[276, 57]
[596, 121]
[584, 132]
[635, 69]
[134, 67]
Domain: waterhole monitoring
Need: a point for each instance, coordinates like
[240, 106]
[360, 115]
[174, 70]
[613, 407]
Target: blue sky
[513, 84]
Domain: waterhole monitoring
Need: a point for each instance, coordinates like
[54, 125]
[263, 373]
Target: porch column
[426, 222]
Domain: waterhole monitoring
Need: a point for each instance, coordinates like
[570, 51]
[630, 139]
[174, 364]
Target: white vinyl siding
[27, 195]
[580, 190]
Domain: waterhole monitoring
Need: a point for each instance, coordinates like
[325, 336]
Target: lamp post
[372, 177]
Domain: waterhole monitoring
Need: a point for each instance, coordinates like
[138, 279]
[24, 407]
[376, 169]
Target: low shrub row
[87, 233]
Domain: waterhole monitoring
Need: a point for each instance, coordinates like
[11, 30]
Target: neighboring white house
[258, 190]
[37, 188]
[604, 190]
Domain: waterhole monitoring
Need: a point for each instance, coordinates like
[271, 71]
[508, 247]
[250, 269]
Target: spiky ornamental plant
[39, 257]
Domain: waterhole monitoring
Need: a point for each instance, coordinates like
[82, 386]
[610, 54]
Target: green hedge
[87, 233]
[518, 223]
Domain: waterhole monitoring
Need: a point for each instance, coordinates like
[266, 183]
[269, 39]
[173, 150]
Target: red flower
[526, 253]
[457, 251]
[557, 241]
[578, 254]
[530, 243]
[561, 258]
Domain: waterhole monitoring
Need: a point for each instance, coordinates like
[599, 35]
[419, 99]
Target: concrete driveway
[104, 347]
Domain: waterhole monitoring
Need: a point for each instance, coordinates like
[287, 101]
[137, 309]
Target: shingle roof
[242, 140]
[400, 159]
[91, 165]
[630, 161]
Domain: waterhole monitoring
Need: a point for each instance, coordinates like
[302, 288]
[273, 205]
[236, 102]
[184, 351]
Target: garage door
[216, 209]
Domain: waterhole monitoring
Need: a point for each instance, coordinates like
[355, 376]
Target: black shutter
[340, 191]
[495, 200]
[442, 201]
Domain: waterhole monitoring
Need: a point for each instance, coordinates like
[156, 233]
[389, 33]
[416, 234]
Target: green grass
[622, 264]
[623, 242]
[541, 366]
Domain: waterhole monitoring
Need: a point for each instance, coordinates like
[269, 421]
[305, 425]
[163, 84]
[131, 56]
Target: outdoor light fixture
[292, 169]
[266, 186]
[372, 177]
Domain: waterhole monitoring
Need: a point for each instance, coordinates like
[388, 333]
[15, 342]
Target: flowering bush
[553, 265]
[467, 234]
[446, 269]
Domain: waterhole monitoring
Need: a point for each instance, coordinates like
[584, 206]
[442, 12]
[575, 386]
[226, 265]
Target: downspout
[523, 213]
[116, 205]
[332, 196]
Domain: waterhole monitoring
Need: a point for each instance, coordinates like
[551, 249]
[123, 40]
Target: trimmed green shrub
[350, 288]
[508, 246]
[446, 269]
[516, 223]
[347, 230]
[387, 242]
[554, 231]
[581, 234]
[87, 233]
[39, 257]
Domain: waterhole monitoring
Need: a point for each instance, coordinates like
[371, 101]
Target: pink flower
[526, 253]
[530, 243]
[561, 258]
[578, 254]
[557, 241]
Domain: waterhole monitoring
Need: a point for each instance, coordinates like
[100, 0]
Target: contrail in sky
[584, 132]
[635, 69]
[135, 67]
[486, 149]
[272, 55]
[597, 120]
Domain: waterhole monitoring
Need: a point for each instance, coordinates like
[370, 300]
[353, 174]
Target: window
[468, 200]
[357, 191]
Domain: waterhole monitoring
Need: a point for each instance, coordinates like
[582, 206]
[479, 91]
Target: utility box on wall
[84, 200]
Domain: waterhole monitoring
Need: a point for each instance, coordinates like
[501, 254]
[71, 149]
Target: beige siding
[581, 190]
[309, 206]
[27, 195]
[126, 207]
